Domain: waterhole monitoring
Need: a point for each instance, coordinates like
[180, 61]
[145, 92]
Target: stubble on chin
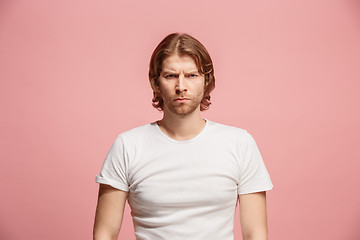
[183, 109]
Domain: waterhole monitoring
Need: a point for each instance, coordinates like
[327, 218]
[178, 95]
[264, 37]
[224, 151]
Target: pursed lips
[181, 99]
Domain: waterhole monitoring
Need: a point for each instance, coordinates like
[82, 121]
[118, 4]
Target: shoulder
[137, 135]
[229, 134]
[138, 131]
[228, 130]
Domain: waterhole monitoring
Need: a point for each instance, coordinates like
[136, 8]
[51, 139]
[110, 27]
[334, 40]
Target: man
[183, 175]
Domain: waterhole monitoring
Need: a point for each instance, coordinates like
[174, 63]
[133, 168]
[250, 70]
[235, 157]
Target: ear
[157, 91]
[206, 80]
[155, 86]
[206, 83]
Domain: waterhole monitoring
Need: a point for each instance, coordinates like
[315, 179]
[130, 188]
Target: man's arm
[253, 216]
[109, 213]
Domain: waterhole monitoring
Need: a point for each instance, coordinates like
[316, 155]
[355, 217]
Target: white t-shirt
[185, 189]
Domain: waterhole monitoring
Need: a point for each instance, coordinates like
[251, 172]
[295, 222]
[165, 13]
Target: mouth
[181, 99]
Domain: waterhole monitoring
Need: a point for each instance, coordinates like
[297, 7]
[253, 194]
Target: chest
[184, 177]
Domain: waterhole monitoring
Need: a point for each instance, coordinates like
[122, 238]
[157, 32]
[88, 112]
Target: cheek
[200, 88]
[164, 91]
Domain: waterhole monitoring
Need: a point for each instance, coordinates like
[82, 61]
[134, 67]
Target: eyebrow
[174, 72]
[168, 71]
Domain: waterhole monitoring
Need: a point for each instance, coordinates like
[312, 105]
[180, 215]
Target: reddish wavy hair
[181, 44]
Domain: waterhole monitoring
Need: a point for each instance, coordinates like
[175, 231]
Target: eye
[169, 76]
[193, 75]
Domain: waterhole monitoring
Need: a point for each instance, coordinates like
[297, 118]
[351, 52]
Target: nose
[180, 87]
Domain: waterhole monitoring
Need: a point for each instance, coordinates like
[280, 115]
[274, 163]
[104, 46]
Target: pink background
[74, 75]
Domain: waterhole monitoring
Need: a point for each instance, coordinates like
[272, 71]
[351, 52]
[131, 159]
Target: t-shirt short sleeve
[114, 171]
[254, 176]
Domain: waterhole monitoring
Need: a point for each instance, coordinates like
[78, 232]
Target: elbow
[102, 235]
[256, 236]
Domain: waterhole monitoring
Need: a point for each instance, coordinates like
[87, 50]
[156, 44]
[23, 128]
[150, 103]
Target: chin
[183, 110]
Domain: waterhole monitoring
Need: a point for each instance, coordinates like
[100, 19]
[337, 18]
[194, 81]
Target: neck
[182, 127]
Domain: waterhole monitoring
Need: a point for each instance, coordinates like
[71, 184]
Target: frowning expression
[181, 85]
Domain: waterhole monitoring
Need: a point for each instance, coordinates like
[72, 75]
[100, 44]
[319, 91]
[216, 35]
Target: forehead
[179, 63]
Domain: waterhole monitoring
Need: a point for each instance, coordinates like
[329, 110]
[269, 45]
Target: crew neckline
[182, 141]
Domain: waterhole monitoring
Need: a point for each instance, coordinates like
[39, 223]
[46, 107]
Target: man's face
[181, 85]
